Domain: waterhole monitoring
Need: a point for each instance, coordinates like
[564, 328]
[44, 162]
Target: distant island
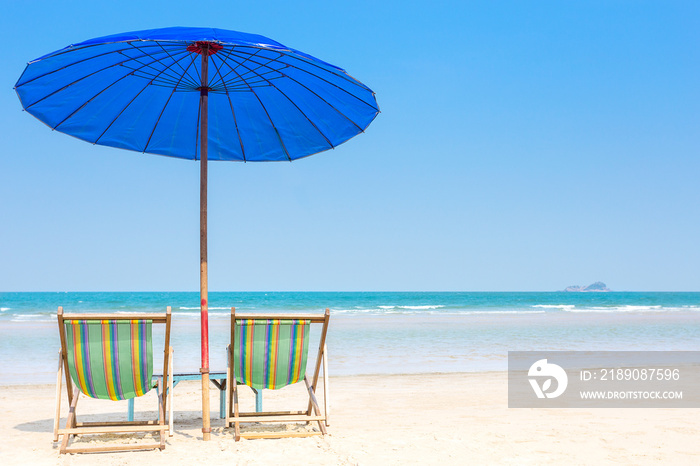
[597, 286]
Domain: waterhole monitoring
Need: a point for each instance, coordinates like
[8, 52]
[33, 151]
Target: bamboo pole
[203, 278]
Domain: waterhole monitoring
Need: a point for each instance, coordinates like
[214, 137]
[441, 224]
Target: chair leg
[170, 394]
[258, 400]
[161, 418]
[59, 386]
[237, 424]
[229, 394]
[321, 359]
[314, 402]
[70, 422]
[325, 385]
[130, 410]
[222, 402]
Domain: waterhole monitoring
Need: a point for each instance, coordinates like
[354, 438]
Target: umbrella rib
[237, 63]
[221, 78]
[164, 82]
[293, 54]
[251, 81]
[74, 82]
[279, 137]
[293, 103]
[233, 114]
[143, 52]
[174, 43]
[241, 76]
[249, 76]
[330, 83]
[344, 75]
[159, 61]
[260, 65]
[154, 74]
[323, 100]
[166, 104]
[71, 49]
[326, 102]
[177, 61]
[90, 100]
[71, 64]
[253, 70]
[122, 111]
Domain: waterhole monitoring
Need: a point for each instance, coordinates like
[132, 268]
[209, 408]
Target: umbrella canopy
[140, 91]
[197, 93]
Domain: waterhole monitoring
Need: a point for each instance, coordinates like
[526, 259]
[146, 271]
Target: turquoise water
[376, 332]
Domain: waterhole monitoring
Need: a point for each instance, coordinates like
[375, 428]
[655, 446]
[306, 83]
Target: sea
[372, 332]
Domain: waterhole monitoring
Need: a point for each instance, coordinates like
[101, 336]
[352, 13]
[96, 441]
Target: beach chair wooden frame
[74, 428]
[313, 412]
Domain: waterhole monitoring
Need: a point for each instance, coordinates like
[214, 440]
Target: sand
[400, 419]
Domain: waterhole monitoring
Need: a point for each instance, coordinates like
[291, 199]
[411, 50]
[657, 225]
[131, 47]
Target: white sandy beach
[398, 419]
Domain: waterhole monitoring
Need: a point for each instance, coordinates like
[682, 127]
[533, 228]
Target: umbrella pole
[203, 277]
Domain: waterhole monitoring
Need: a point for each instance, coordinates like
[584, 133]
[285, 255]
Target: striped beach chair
[110, 357]
[269, 351]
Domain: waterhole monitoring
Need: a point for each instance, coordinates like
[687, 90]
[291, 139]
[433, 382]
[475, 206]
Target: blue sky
[521, 146]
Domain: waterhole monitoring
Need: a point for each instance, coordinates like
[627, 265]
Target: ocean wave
[503, 312]
[391, 310]
[412, 307]
[33, 318]
[383, 311]
[616, 308]
[189, 314]
[3, 309]
[357, 311]
[628, 308]
[36, 321]
[563, 307]
[198, 308]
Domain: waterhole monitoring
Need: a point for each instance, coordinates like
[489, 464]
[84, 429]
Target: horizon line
[354, 291]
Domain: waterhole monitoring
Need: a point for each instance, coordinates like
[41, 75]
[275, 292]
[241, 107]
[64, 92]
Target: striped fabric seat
[270, 353]
[110, 359]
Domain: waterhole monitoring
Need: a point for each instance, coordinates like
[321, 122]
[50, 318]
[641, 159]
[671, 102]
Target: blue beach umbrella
[200, 94]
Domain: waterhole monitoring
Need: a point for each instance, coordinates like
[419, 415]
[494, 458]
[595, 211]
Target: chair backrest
[270, 353]
[110, 357]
